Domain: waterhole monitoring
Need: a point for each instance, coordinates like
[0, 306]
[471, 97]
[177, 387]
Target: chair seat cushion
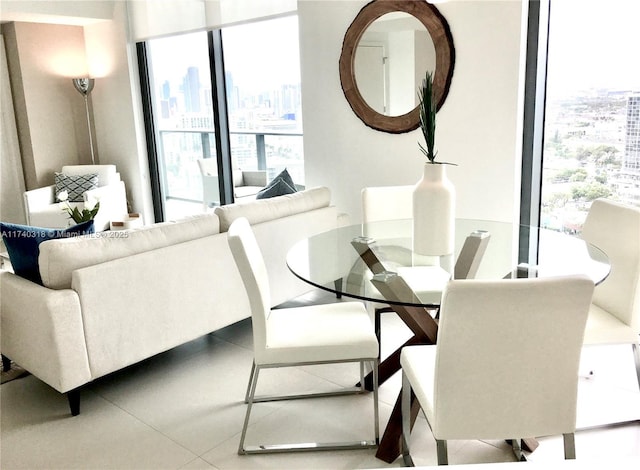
[331, 332]
[419, 364]
[604, 328]
[246, 191]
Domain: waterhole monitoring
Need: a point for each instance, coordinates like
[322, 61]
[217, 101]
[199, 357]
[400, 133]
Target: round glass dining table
[333, 260]
[376, 262]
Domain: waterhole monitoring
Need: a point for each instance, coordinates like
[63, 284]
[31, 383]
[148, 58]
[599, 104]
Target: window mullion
[220, 117]
[533, 128]
[152, 144]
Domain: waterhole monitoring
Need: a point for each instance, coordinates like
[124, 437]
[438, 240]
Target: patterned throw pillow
[75, 185]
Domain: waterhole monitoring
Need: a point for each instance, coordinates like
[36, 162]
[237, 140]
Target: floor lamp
[84, 86]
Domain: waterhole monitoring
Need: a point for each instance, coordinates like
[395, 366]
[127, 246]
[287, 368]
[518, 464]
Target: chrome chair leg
[406, 421]
[314, 446]
[569, 446]
[253, 371]
[636, 356]
[441, 448]
[376, 412]
[251, 391]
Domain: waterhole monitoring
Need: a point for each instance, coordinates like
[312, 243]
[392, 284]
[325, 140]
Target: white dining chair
[285, 337]
[389, 203]
[505, 365]
[614, 316]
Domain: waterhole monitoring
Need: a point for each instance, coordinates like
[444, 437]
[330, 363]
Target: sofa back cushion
[59, 258]
[264, 210]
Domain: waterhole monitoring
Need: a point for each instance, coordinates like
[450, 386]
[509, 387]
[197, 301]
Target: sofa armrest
[254, 178]
[38, 199]
[42, 331]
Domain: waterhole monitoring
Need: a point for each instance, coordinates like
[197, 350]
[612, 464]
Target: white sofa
[43, 210]
[115, 298]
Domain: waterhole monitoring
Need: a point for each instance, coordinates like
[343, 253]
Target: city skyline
[188, 93]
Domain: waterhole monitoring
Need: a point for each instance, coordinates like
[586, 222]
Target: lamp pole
[84, 87]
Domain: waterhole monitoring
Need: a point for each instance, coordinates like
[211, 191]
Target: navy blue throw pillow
[279, 186]
[23, 245]
[284, 174]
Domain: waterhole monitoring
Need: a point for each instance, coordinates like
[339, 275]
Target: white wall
[478, 126]
[117, 107]
[11, 179]
[50, 113]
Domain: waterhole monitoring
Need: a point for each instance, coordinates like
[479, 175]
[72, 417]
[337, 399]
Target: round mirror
[390, 62]
[409, 37]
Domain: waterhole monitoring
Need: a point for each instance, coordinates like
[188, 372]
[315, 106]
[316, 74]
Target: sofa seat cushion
[264, 210]
[59, 258]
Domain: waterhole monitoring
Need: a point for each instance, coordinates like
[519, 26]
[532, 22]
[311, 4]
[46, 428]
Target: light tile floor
[184, 410]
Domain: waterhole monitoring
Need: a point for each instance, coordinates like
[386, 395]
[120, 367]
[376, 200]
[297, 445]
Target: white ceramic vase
[434, 201]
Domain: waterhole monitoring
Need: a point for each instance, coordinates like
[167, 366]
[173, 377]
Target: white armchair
[246, 183]
[43, 210]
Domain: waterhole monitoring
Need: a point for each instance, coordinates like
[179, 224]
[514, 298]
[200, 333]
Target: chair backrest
[387, 203]
[507, 357]
[208, 166]
[615, 229]
[253, 271]
[380, 203]
[107, 174]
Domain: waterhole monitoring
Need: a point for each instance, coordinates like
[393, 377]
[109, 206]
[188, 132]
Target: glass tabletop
[332, 260]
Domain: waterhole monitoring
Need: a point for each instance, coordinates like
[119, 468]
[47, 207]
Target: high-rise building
[630, 174]
[631, 160]
[191, 89]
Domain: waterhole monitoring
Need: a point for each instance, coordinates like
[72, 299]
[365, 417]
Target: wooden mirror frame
[440, 33]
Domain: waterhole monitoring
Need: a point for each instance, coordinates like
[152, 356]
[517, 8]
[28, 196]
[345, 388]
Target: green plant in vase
[434, 194]
[428, 110]
[428, 117]
[88, 213]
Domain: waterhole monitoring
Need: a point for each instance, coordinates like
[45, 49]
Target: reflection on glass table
[331, 262]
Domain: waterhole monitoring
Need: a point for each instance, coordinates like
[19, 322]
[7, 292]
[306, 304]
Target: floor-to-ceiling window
[261, 112]
[591, 138]
[181, 99]
[264, 96]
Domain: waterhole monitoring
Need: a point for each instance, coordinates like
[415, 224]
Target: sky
[594, 44]
[257, 54]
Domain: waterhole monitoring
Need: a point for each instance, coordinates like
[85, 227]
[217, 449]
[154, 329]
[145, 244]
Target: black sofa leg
[6, 363]
[74, 401]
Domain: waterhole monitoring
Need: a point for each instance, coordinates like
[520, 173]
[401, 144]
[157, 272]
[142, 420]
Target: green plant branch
[428, 117]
